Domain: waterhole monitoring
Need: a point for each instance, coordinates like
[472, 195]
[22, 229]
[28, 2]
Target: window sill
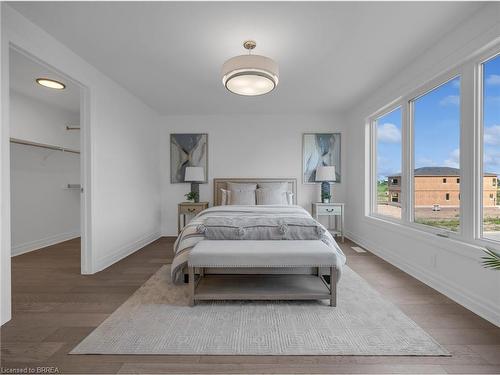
[431, 237]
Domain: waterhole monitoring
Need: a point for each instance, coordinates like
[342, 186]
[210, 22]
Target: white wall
[121, 163]
[451, 267]
[247, 146]
[37, 121]
[43, 212]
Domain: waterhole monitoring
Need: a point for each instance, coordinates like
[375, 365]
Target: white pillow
[244, 198]
[281, 186]
[274, 185]
[271, 196]
[241, 186]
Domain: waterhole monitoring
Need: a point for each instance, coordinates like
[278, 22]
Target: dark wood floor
[54, 308]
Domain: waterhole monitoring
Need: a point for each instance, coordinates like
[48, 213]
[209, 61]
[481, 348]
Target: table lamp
[325, 175]
[195, 175]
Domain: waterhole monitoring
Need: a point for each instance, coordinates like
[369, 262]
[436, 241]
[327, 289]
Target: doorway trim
[86, 257]
[86, 219]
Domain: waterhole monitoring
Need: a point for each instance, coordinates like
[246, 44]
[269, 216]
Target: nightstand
[331, 209]
[188, 208]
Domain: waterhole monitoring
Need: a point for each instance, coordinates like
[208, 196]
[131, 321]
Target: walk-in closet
[44, 158]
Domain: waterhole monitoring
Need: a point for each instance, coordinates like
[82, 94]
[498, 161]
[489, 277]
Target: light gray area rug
[157, 320]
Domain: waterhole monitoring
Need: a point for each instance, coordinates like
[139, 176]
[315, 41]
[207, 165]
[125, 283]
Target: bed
[191, 234]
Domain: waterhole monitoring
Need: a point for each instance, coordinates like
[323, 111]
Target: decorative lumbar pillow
[243, 198]
[241, 186]
[267, 196]
[261, 228]
[226, 197]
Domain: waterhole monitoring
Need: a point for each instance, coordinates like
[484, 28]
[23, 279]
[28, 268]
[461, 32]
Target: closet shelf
[73, 186]
[43, 145]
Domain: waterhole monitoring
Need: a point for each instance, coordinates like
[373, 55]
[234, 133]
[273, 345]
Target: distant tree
[382, 191]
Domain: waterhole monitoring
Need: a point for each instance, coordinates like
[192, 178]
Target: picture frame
[320, 149]
[187, 150]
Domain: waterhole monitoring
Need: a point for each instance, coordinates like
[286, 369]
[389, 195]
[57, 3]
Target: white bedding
[190, 235]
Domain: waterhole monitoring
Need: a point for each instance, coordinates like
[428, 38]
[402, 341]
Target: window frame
[489, 54]
[423, 90]
[372, 123]
[471, 153]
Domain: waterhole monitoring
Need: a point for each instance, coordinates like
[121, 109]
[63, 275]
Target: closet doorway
[45, 164]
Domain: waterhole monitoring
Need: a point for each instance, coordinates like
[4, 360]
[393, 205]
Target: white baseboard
[44, 242]
[479, 306]
[125, 251]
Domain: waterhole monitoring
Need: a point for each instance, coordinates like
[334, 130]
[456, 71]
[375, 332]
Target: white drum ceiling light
[250, 75]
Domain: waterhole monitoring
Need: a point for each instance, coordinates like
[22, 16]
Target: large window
[491, 149]
[430, 178]
[436, 135]
[387, 129]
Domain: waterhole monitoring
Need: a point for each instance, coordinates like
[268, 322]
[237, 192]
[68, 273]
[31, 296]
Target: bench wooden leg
[192, 285]
[333, 286]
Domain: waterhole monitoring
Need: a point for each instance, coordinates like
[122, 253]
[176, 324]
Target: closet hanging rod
[42, 145]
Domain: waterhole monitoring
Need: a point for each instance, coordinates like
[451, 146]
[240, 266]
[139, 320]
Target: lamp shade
[195, 174]
[250, 75]
[325, 173]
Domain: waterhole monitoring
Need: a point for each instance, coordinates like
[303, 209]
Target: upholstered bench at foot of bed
[232, 255]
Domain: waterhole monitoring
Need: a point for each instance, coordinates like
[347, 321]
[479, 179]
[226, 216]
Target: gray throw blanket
[189, 236]
[261, 228]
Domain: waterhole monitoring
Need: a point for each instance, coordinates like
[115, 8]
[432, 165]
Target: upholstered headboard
[221, 183]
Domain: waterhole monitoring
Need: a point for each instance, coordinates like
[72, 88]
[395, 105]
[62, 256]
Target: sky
[437, 127]
[491, 157]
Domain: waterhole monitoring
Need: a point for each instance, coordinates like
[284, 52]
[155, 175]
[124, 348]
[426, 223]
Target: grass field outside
[447, 218]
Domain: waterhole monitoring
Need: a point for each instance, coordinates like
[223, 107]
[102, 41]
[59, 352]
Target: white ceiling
[24, 72]
[170, 54]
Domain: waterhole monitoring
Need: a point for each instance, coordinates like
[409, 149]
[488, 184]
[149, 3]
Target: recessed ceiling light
[250, 75]
[50, 83]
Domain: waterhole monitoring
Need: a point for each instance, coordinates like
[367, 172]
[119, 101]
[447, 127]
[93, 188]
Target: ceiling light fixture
[250, 75]
[51, 83]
